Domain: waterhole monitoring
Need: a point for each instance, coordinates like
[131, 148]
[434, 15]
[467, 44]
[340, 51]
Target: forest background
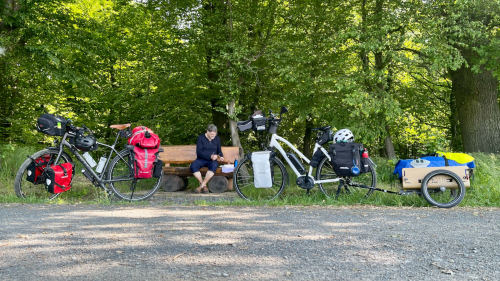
[408, 77]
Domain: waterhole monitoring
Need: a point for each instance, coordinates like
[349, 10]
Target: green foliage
[378, 67]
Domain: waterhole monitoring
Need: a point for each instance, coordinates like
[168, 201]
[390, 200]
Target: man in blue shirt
[208, 152]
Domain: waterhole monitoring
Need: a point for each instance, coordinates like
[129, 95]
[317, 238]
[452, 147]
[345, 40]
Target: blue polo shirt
[206, 148]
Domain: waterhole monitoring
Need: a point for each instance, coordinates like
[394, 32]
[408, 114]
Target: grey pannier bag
[262, 169]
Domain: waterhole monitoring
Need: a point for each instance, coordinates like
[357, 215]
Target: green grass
[485, 190]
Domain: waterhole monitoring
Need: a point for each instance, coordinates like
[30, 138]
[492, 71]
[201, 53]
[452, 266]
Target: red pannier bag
[58, 178]
[35, 169]
[144, 137]
[144, 161]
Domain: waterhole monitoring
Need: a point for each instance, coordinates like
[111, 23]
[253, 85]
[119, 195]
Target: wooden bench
[175, 175]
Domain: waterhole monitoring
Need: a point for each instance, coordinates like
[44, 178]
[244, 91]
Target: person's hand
[221, 159]
[213, 157]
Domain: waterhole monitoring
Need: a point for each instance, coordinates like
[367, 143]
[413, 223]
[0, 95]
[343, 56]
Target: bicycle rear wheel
[36, 191]
[360, 183]
[244, 181]
[325, 172]
[364, 181]
[123, 183]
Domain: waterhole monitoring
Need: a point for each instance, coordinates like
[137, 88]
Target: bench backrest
[183, 154]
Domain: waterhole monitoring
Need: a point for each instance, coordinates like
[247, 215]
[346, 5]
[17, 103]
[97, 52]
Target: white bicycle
[329, 183]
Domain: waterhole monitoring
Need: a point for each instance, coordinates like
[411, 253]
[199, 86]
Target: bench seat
[177, 159]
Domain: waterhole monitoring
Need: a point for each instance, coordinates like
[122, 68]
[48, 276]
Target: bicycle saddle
[120, 126]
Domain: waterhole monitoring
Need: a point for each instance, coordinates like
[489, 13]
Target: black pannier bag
[346, 158]
[51, 125]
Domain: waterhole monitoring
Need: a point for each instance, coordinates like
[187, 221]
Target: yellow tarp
[460, 158]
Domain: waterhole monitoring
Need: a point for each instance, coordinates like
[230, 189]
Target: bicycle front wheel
[123, 183]
[244, 181]
[36, 190]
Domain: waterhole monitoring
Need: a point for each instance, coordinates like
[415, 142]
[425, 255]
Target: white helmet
[344, 135]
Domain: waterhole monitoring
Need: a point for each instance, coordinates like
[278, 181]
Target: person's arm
[201, 151]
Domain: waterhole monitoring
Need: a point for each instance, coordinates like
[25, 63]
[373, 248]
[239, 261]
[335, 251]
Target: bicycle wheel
[244, 184]
[443, 188]
[364, 181]
[123, 183]
[30, 190]
[325, 171]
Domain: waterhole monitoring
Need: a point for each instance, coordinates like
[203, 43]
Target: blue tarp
[434, 162]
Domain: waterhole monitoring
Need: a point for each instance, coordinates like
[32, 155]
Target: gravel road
[88, 242]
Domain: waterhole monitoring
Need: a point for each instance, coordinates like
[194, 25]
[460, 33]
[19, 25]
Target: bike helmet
[85, 143]
[344, 135]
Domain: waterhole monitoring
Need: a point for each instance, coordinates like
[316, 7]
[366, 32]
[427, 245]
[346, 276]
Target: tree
[462, 35]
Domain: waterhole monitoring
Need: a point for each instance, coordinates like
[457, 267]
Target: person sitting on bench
[208, 151]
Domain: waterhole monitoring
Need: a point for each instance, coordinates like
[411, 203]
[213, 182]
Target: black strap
[64, 170]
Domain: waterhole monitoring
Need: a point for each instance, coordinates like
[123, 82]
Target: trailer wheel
[443, 188]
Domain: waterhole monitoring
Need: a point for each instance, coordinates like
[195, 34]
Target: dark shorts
[198, 163]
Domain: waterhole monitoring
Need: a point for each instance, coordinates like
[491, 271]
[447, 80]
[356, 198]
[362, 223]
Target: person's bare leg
[197, 175]
[208, 176]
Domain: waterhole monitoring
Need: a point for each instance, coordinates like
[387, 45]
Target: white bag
[262, 169]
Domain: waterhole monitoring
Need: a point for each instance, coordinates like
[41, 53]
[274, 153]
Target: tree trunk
[389, 146]
[476, 97]
[455, 138]
[235, 137]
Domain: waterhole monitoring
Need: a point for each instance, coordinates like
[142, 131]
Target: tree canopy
[407, 77]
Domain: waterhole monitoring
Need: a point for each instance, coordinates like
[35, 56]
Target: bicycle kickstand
[341, 183]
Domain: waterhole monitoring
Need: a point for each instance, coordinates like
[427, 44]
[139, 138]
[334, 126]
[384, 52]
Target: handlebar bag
[144, 137]
[58, 178]
[51, 125]
[35, 169]
[346, 158]
[244, 125]
[144, 161]
[259, 123]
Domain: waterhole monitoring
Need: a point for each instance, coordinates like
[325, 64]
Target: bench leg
[230, 184]
[173, 183]
[218, 184]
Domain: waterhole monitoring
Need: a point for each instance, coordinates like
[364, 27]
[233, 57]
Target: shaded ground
[47, 242]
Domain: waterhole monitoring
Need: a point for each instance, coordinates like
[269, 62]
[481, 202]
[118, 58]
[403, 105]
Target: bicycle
[329, 183]
[117, 172]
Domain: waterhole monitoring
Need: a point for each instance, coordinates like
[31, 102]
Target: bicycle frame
[98, 178]
[274, 143]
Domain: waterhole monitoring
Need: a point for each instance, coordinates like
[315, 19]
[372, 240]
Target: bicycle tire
[129, 188]
[244, 185]
[28, 190]
[325, 171]
[455, 194]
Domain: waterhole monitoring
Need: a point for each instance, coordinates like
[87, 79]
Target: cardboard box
[412, 177]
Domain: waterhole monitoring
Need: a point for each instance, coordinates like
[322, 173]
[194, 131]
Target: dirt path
[41, 242]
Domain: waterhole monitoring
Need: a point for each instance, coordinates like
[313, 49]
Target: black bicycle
[116, 170]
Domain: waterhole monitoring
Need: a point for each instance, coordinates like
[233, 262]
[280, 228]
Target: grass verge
[485, 190]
